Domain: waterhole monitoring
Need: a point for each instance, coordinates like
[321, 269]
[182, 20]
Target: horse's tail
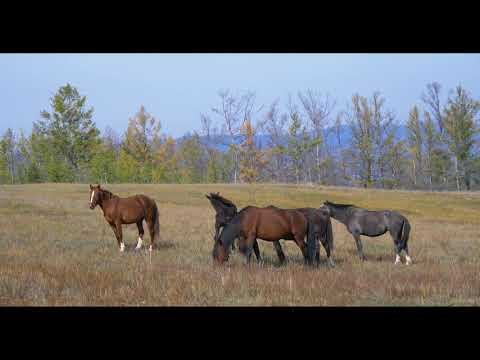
[156, 223]
[329, 234]
[405, 232]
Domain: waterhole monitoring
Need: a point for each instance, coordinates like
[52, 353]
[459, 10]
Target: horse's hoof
[331, 264]
[409, 260]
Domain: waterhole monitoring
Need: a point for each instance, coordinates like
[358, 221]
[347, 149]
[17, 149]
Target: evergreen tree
[69, 134]
[461, 126]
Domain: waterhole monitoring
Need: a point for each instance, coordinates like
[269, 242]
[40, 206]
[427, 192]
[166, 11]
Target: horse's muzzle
[92, 206]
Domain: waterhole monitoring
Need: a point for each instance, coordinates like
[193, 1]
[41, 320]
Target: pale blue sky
[176, 88]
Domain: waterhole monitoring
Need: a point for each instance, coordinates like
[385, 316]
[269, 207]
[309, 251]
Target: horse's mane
[220, 203]
[338, 205]
[107, 195]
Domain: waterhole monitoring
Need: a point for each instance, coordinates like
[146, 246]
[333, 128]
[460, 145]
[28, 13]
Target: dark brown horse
[133, 209]
[320, 230]
[269, 224]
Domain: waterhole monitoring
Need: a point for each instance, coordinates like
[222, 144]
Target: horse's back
[271, 223]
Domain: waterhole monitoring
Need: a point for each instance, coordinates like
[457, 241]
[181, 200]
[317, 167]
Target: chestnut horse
[269, 224]
[133, 209]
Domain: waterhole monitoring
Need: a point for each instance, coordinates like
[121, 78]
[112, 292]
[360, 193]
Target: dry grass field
[54, 250]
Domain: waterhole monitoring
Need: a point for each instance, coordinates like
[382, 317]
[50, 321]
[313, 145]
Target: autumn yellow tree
[251, 158]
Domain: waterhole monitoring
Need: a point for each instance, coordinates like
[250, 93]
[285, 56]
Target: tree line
[309, 139]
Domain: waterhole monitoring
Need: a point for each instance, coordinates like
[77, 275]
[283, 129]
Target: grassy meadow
[54, 250]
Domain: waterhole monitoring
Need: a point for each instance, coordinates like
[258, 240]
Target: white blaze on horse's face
[91, 198]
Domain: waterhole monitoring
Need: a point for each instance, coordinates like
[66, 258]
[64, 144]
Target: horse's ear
[98, 185]
[91, 187]
[208, 197]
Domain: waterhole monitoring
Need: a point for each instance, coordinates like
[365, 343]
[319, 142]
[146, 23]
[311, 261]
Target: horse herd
[268, 223]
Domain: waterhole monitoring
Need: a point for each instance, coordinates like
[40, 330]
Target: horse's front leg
[256, 249]
[358, 241]
[217, 231]
[279, 250]
[246, 246]
[327, 250]
[117, 230]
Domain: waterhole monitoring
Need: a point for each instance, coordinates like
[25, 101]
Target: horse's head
[324, 209]
[329, 207]
[94, 195]
[222, 246]
[220, 252]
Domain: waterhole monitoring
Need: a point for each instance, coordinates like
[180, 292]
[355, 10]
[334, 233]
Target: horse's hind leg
[328, 251]
[396, 236]
[151, 230]
[140, 235]
[303, 247]
[407, 256]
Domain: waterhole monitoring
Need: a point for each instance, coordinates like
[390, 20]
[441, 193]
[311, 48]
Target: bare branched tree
[317, 109]
[235, 110]
[432, 101]
[274, 125]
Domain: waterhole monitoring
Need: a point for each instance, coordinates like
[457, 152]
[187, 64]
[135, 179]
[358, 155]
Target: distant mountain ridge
[222, 142]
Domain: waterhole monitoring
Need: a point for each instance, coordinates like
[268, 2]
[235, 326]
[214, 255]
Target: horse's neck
[106, 203]
[342, 215]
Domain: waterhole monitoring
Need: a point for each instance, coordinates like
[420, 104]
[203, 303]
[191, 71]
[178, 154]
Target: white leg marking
[122, 247]
[91, 197]
[397, 259]
[139, 243]
[150, 248]
[409, 259]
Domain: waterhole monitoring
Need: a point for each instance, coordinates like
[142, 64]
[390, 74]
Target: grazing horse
[361, 221]
[225, 212]
[269, 224]
[133, 209]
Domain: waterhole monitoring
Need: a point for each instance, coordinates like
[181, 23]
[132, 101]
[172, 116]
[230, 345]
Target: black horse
[225, 211]
[361, 221]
